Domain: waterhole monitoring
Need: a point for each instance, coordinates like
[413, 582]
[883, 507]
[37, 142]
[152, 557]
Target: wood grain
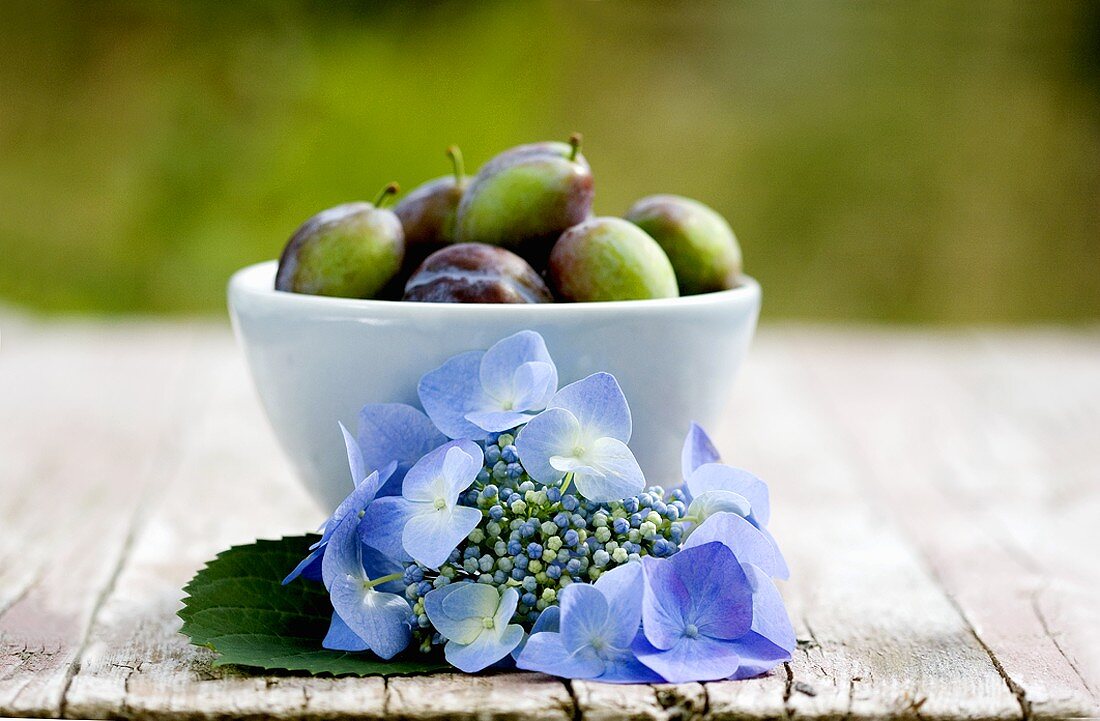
[936, 495]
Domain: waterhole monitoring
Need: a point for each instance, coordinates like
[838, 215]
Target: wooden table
[937, 494]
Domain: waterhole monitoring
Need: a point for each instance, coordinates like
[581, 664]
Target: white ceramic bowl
[318, 360]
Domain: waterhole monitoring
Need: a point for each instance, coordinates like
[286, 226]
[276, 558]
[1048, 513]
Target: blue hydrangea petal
[451, 391]
[472, 600]
[430, 537]
[422, 482]
[665, 603]
[496, 371]
[554, 432]
[718, 477]
[698, 449]
[484, 651]
[380, 619]
[623, 587]
[748, 543]
[624, 667]
[462, 629]
[509, 599]
[358, 500]
[769, 615]
[585, 616]
[548, 620]
[497, 421]
[461, 464]
[309, 567]
[545, 652]
[534, 384]
[342, 638]
[356, 464]
[343, 557]
[383, 524]
[395, 433]
[705, 505]
[758, 655]
[598, 404]
[690, 659]
[721, 595]
[377, 564]
[618, 473]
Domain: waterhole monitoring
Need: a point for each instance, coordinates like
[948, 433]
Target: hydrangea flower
[474, 618]
[696, 606]
[584, 431]
[426, 522]
[598, 622]
[476, 393]
[364, 617]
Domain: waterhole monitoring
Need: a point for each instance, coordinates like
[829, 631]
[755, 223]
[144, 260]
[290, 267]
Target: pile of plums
[520, 231]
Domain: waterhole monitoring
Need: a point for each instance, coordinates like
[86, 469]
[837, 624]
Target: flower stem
[566, 482]
[384, 579]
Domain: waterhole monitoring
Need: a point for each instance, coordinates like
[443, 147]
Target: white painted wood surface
[937, 494]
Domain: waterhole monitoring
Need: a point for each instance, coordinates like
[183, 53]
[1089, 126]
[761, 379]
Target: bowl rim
[258, 280]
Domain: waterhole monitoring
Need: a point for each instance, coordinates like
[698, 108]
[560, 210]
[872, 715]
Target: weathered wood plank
[486, 697]
[86, 409]
[978, 492]
[878, 635]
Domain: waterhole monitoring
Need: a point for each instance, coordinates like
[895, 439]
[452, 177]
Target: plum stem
[386, 194]
[575, 141]
[456, 160]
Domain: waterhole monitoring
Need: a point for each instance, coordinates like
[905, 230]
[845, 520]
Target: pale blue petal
[344, 553]
[383, 523]
[618, 473]
[309, 567]
[665, 603]
[497, 421]
[705, 505]
[509, 599]
[624, 667]
[569, 464]
[551, 433]
[690, 659]
[717, 477]
[721, 596]
[748, 543]
[380, 619]
[548, 620]
[535, 384]
[451, 391]
[698, 449]
[486, 649]
[355, 457]
[357, 501]
[769, 615]
[623, 587]
[758, 655]
[472, 600]
[430, 537]
[461, 464]
[545, 652]
[395, 433]
[599, 404]
[342, 638]
[422, 482]
[584, 617]
[496, 371]
[377, 564]
[462, 629]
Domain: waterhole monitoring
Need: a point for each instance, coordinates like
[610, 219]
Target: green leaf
[238, 607]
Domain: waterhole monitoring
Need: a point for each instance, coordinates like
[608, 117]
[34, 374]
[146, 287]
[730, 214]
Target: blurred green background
[879, 161]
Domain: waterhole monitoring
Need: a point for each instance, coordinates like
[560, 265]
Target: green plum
[350, 251]
[476, 273]
[610, 259]
[524, 198]
[699, 242]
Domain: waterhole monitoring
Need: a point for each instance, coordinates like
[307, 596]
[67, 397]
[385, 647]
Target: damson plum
[350, 251]
[699, 242]
[524, 198]
[428, 212]
[610, 259]
[476, 273]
